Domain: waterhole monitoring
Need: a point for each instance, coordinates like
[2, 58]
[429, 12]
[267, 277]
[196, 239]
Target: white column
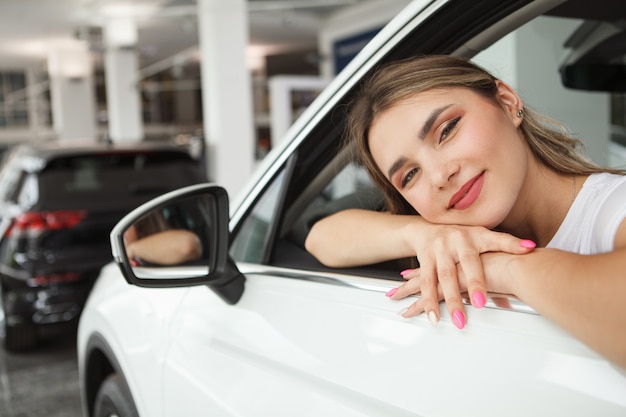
[283, 114]
[34, 119]
[121, 72]
[72, 91]
[226, 92]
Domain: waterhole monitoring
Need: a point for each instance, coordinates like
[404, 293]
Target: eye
[448, 128]
[408, 177]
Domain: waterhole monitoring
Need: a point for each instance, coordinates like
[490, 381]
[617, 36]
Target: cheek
[422, 202]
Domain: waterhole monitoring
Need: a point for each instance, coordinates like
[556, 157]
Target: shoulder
[603, 192]
[606, 191]
[613, 207]
[607, 198]
[620, 236]
[592, 223]
[604, 181]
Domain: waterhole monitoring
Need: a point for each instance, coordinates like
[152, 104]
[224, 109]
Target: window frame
[451, 28]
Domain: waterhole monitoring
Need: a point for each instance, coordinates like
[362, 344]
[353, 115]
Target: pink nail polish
[478, 299]
[391, 292]
[405, 272]
[528, 244]
[459, 319]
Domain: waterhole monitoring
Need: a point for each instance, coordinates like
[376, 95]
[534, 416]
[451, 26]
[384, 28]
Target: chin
[482, 221]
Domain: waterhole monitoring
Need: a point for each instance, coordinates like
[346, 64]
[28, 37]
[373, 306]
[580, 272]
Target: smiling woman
[490, 179]
[266, 327]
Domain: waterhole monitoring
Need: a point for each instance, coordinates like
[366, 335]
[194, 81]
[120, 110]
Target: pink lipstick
[468, 193]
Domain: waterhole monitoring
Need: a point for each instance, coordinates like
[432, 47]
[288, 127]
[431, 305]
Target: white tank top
[592, 222]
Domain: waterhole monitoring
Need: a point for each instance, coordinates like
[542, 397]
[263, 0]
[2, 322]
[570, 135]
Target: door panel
[310, 348]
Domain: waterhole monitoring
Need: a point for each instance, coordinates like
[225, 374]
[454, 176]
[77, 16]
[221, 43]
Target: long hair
[548, 139]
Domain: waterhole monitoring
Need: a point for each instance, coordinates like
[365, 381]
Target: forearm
[584, 294]
[167, 248]
[360, 237]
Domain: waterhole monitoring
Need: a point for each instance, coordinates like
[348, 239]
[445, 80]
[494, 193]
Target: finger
[430, 296]
[448, 280]
[409, 273]
[471, 273]
[410, 287]
[413, 310]
[423, 280]
[502, 302]
[418, 308]
[492, 241]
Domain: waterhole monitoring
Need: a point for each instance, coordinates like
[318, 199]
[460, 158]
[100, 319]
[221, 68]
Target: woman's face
[455, 156]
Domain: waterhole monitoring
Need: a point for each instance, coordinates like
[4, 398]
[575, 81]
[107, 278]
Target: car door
[308, 340]
[311, 342]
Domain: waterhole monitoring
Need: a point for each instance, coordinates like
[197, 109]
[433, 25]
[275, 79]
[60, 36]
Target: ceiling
[165, 27]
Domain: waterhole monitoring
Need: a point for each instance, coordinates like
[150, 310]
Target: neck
[542, 205]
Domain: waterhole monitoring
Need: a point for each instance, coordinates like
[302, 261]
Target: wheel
[16, 336]
[114, 399]
[19, 337]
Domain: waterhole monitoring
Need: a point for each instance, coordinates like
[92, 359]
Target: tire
[19, 337]
[16, 337]
[114, 399]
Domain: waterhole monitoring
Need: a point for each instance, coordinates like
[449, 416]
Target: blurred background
[125, 70]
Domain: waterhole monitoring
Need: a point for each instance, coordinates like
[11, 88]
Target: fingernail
[401, 312]
[391, 292]
[528, 244]
[432, 317]
[478, 299]
[405, 272]
[459, 319]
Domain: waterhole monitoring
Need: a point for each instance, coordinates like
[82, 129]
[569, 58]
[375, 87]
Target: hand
[450, 263]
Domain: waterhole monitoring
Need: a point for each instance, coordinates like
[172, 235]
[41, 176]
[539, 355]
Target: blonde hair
[548, 139]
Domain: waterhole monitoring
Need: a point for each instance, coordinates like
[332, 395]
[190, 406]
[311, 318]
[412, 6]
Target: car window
[325, 178]
[250, 241]
[342, 188]
[532, 60]
[26, 192]
[9, 178]
[95, 181]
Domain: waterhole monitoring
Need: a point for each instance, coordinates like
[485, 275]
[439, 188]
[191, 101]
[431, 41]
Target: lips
[468, 193]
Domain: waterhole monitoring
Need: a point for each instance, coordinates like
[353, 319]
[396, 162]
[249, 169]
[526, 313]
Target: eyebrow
[431, 120]
[396, 166]
[425, 129]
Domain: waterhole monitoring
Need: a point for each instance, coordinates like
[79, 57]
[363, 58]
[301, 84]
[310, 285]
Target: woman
[490, 179]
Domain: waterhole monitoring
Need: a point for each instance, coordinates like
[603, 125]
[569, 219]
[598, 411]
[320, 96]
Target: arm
[583, 294]
[169, 247]
[359, 237]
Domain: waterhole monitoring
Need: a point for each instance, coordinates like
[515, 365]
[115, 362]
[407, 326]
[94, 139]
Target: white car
[257, 327]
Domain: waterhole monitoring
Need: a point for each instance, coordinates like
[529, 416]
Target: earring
[520, 113]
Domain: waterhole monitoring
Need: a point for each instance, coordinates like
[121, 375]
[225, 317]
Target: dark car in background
[58, 203]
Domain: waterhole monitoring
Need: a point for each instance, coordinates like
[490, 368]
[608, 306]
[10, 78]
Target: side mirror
[179, 239]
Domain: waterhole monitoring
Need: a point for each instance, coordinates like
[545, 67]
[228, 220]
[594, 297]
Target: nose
[443, 173]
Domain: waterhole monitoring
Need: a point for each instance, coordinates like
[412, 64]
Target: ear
[509, 100]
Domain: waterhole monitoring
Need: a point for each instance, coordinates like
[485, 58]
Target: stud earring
[520, 113]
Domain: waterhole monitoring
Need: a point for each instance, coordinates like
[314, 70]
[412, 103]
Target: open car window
[324, 177]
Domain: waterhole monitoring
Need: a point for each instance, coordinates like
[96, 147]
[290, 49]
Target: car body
[58, 204]
[260, 328]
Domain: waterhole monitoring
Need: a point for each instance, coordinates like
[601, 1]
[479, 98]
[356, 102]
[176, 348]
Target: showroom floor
[41, 382]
